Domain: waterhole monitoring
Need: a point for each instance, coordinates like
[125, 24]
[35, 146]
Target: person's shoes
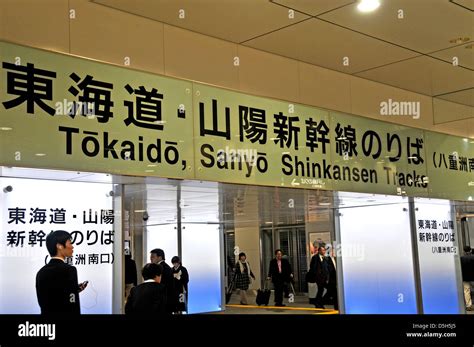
[280, 305]
[470, 308]
[242, 303]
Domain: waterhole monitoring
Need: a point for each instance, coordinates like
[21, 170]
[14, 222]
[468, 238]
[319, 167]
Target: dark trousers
[331, 295]
[286, 289]
[278, 292]
[319, 296]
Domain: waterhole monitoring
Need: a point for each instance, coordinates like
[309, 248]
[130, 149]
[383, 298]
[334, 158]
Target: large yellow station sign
[64, 112]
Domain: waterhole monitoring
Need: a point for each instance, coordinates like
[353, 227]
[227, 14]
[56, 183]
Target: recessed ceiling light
[40, 154]
[149, 170]
[324, 203]
[6, 128]
[368, 5]
[138, 211]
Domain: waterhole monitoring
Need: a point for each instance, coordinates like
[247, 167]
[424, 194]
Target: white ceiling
[404, 43]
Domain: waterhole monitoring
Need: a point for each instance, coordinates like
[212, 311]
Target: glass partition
[30, 210]
[437, 242]
[376, 252]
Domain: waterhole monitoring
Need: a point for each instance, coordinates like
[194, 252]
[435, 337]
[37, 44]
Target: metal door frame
[293, 249]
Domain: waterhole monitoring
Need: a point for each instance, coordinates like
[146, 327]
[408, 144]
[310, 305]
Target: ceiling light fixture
[368, 5]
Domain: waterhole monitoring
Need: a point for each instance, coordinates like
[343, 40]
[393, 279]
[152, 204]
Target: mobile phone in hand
[83, 286]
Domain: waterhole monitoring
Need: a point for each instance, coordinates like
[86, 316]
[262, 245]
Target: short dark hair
[175, 259]
[242, 254]
[278, 250]
[55, 237]
[151, 270]
[159, 253]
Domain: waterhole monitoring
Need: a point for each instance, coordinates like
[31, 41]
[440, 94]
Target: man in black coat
[180, 281]
[279, 272]
[331, 295]
[149, 297]
[130, 273]
[157, 256]
[319, 268]
[57, 288]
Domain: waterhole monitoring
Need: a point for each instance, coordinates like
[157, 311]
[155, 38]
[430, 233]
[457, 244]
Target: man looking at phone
[57, 288]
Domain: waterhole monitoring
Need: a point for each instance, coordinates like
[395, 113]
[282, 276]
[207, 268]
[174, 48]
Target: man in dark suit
[279, 272]
[319, 267]
[150, 296]
[130, 273]
[331, 295]
[157, 256]
[57, 288]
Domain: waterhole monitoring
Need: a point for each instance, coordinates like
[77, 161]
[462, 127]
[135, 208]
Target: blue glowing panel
[376, 252]
[202, 258]
[438, 253]
[72, 206]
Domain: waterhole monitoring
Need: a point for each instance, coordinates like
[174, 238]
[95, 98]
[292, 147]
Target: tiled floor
[300, 305]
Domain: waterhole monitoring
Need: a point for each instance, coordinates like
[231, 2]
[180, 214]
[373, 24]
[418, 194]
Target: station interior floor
[300, 305]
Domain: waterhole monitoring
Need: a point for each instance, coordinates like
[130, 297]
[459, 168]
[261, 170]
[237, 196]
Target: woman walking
[243, 275]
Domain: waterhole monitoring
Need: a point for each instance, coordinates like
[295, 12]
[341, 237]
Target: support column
[247, 231]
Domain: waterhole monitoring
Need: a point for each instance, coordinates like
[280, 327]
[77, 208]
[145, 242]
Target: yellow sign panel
[69, 113]
[64, 112]
[252, 140]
